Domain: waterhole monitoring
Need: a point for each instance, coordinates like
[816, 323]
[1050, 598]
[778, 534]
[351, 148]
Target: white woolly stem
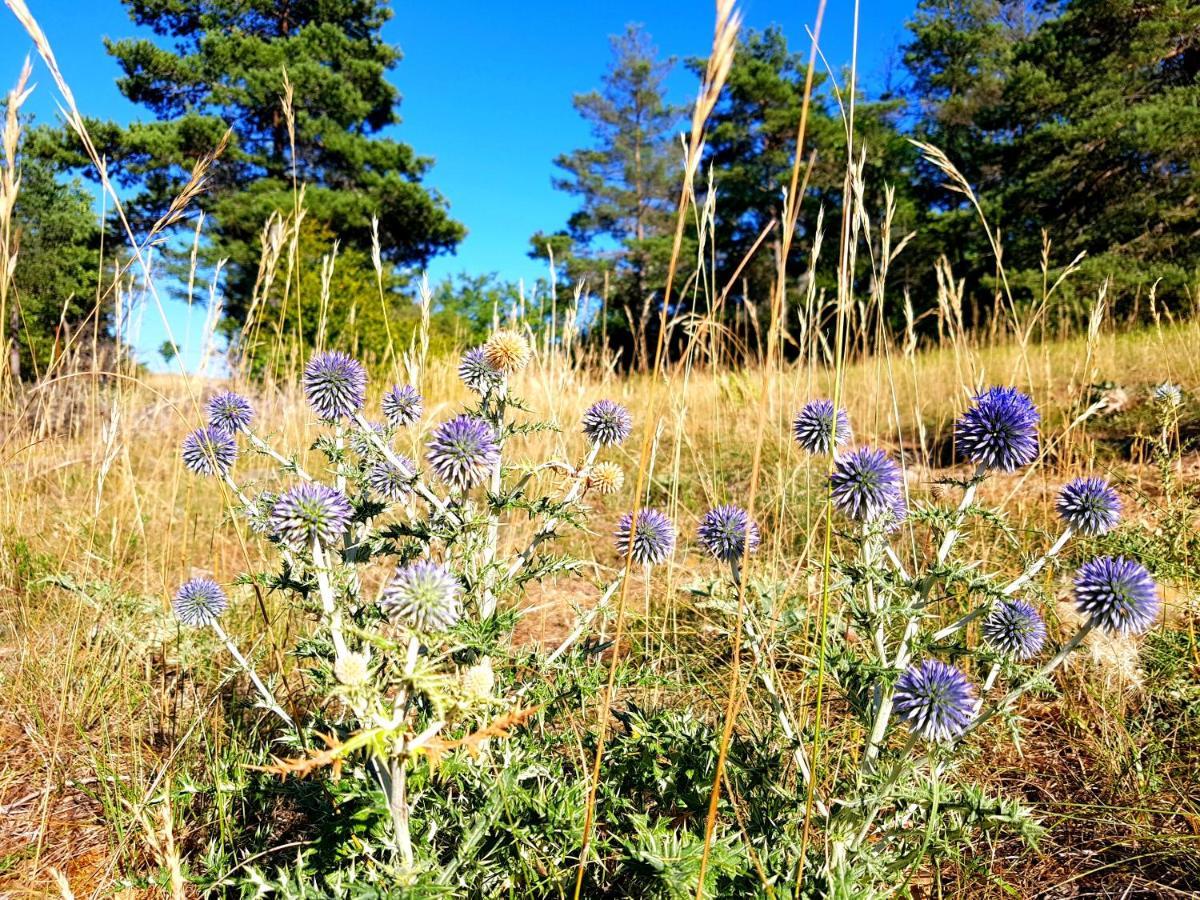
[1037, 565]
[419, 487]
[487, 603]
[991, 677]
[268, 698]
[328, 604]
[263, 447]
[237, 491]
[586, 619]
[968, 498]
[550, 526]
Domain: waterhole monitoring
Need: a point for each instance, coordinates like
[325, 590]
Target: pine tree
[626, 183]
[221, 64]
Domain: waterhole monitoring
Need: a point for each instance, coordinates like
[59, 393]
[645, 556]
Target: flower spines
[335, 385]
[865, 483]
[209, 451]
[1014, 628]
[817, 430]
[462, 451]
[477, 374]
[1089, 506]
[229, 411]
[728, 533]
[423, 596]
[402, 405]
[607, 423]
[649, 541]
[1117, 594]
[310, 512]
[507, 351]
[199, 602]
[1000, 430]
[605, 478]
[935, 700]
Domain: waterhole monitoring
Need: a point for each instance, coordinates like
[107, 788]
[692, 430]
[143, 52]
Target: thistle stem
[419, 487]
[263, 447]
[268, 698]
[1037, 565]
[487, 604]
[325, 589]
[586, 619]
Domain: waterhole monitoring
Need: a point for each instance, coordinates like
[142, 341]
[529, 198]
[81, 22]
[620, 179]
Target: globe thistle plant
[230, 412]
[865, 483]
[1000, 430]
[463, 451]
[935, 700]
[423, 596]
[209, 451]
[1089, 506]
[402, 405]
[388, 481]
[1015, 629]
[607, 423]
[199, 602]
[1168, 395]
[814, 427]
[728, 533]
[507, 352]
[362, 442]
[477, 374]
[1117, 595]
[650, 541]
[335, 385]
[310, 512]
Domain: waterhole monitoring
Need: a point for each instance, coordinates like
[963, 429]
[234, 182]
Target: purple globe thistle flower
[652, 539]
[865, 483]
[230, 412]
[362, 444]
[1000, 430]
[728, 533]
[935, 700]
[423, 596]
[894, 514]
[199, 602]
[310, 512]
[402, 405]
[607, 423]
[477, 374]
[209, 451]
[1089, 506]
[463, 451]
[389, 482]
[814, 428]
[1014, 628]
[335, 385]
[1117, 594]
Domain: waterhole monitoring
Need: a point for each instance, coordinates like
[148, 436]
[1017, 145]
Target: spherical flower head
[477, 374]
[1117, 594]
[463, 451]
[230, 412]
[363, 444]
[353, 669]
[335, 385]
[507, 351]
[310, 512]
[607, 423]
[651, 540]
[423, 596]
[389, 482]
[935, 700]
[1000, 430]
[728, 533]
[402, 405]
[605, 478]
[864, 483]
[1014, 628]
[199, 602]
[1089, 506]
[209, 451]
[480, 680]
[1168, 395]
[814, 427]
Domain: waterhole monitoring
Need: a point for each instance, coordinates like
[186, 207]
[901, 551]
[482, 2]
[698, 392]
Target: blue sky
[486, 89]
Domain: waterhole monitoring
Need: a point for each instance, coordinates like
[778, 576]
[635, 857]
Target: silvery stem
[268, 698]
[487, 604]
[1037, 565]
[962, 622]
[325, 589]
[237, 491]
[586, 620]
[263, 447]
[967, 499]
[419, 487]
[991, 677]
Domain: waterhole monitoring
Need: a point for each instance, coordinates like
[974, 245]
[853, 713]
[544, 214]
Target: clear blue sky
[486, 89]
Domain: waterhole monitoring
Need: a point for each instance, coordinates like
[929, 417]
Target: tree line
[1076, 123]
